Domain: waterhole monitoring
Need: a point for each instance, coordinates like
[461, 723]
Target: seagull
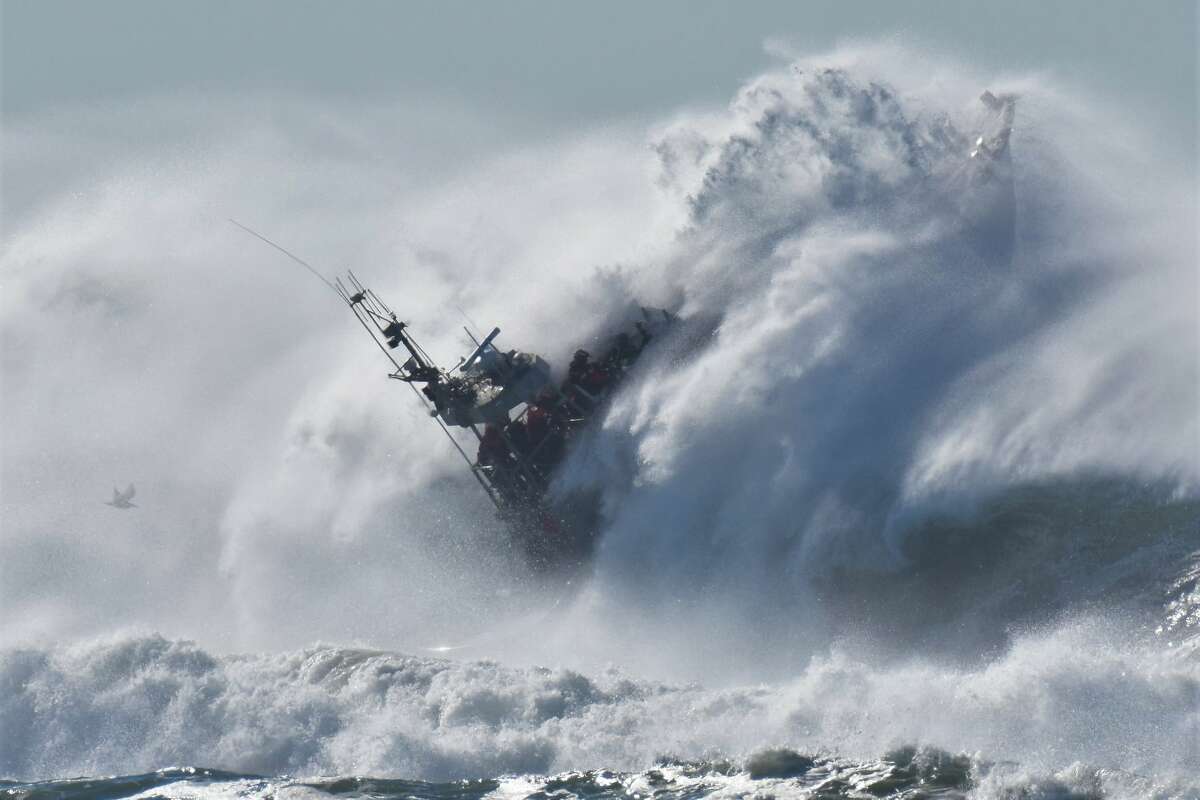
[121, 499]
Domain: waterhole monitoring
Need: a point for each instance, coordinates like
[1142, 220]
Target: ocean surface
[903, 773]
[909, 506]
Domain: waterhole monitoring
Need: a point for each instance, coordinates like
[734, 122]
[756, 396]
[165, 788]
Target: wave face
[921, 468]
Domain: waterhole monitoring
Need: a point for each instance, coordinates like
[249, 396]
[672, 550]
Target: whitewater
[908, 507]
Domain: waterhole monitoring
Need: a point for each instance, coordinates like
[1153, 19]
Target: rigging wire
[289, 254]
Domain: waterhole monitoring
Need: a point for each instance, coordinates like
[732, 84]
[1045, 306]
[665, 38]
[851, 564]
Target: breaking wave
[921, 469]
[131, 704]
[935, 400]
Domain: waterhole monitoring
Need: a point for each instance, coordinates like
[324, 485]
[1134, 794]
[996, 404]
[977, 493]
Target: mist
[879, 431]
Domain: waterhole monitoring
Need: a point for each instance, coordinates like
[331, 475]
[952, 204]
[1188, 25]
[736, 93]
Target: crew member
[580, 365]
[493, 452]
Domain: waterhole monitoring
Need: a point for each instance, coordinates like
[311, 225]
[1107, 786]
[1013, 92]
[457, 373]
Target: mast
[388, 332]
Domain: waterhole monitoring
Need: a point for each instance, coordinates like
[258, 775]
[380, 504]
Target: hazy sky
[558, 63]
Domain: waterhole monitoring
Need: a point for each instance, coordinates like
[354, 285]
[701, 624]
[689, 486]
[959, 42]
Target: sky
[554, 64]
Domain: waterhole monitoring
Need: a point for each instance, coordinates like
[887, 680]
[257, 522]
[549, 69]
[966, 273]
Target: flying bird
[122, 499]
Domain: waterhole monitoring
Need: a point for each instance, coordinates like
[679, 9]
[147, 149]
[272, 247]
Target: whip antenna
[289, 254]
